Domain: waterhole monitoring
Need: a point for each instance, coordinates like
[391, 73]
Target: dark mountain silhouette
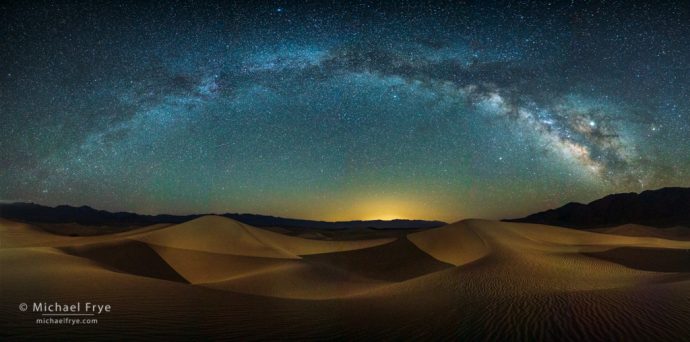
[30, 212]
[661, 208]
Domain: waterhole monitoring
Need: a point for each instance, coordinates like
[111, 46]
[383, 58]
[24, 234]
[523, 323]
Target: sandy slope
[520, 258]
[17, 234]
[457, 244]
[222, 235]
[215, 252]
[672, 233]
[472, 279]
[297, 281]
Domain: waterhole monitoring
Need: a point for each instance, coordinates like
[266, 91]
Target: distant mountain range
[661, 208]
[30, 212]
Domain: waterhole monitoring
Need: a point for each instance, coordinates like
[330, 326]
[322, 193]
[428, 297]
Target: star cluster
[341, 111]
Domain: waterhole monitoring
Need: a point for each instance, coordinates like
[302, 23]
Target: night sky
[342, 111]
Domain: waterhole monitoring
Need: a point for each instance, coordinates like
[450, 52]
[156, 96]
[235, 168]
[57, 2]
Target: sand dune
[298, 281]
[457, 244]
[222, 235]
[203, 267]
[473, 279]
[215, 234]
[381, 263]
[17, 234]
[672, 233]
[328, 269]
[509, 258]
[649, 259]
[530, 282]
[215, 251]
[336, 275]
[119, 256]
[565, 236]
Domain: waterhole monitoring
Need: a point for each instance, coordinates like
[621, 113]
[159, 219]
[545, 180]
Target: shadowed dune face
[648, 259]
[127, 256]
[204, 267]
[382, 262]
[472, 279]
[456, 244]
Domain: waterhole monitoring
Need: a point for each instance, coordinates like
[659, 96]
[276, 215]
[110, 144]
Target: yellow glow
[365, 206]
[383, 208]
[385, 217]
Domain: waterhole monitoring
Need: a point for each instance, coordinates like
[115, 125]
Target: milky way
[343, 111]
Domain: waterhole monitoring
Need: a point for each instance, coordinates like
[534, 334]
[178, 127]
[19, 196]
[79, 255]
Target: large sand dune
[18, 234]
[471, 279]
[217, 234]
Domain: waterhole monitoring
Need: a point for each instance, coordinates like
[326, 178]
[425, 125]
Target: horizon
[230, 212]
[207, 213]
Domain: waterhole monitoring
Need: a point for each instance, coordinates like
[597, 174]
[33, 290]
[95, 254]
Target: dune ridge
[457, 243]
[222, 235]
[672, 233]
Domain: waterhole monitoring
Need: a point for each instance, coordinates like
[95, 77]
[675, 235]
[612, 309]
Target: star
[219, 109]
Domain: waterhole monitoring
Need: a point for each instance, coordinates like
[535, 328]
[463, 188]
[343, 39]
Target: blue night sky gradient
[342, 111]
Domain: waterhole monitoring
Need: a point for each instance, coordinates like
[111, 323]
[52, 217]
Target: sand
[217, 234]
[671, 233]
[457, 244]
[18, 234]
[214, 278]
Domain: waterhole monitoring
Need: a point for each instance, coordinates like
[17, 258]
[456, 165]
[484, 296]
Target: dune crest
[217, 234]
[456, 243]
[672, 233]
[19, 235]
[214, 234]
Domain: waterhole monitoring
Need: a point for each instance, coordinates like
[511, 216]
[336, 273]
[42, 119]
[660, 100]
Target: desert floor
[215, 278]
